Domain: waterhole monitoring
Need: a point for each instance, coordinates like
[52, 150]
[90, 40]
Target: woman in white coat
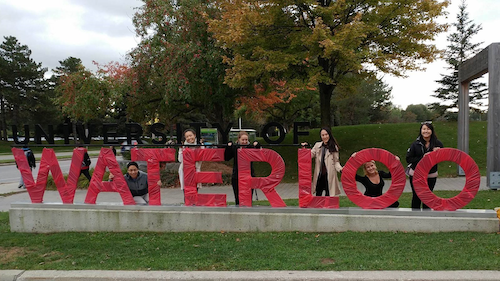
[327, 165]
[189, 139]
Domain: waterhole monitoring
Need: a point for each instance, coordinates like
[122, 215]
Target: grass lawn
[248, 251]
[256, 251]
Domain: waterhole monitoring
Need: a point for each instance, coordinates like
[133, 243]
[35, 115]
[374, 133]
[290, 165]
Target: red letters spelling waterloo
[267, 184]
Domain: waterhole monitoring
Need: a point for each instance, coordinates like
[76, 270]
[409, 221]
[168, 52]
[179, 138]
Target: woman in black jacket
[231, 153]
[373, 180]
[426, 142]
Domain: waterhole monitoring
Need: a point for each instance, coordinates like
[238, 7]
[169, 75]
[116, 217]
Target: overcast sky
[102, 31]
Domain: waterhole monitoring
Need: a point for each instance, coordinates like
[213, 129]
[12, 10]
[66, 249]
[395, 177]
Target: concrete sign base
[56, 217]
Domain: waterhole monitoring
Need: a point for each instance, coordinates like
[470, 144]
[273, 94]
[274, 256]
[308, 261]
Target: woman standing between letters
[231, 152]
[327, 165]
[189, 139]
[426, 142]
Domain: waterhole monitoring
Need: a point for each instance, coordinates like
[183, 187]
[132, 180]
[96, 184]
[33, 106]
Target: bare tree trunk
[325, 97]
[4, 120]
[75, 134]
[326, 90]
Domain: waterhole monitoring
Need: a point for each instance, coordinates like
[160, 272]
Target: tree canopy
[315, 44]
[179, 69]
[22, 86]
[84, 95]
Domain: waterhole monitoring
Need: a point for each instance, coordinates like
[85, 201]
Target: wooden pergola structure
[487, 61]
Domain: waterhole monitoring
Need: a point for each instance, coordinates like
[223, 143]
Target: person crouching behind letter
[327, 165]
[137, 182]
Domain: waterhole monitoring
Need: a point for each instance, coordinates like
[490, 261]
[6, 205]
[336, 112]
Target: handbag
[409, 171]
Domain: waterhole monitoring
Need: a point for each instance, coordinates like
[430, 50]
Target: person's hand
[304, 144]
[230, 143]
[397, 158]
[158, 182]
[111, 176]
[436, 148]
[255, 143]
[354, 154]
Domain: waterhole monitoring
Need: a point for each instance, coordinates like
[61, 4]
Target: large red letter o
[386, 199]
[472, 179]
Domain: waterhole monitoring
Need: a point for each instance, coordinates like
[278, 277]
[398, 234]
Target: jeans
[416, 203]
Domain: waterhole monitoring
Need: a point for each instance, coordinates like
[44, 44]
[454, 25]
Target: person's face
[243, 140]
[133, 171]
[325, 137]
[370, 168]
[426, 131]
[190, 137]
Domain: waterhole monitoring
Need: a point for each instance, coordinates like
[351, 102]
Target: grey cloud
[111, 18]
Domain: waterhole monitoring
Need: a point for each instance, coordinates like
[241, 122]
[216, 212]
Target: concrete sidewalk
[42, 275]
[9, 192]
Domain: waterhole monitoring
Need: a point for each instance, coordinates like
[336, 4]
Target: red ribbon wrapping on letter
[386, 158]
[192, 178]
[472, 179]
[266, 184]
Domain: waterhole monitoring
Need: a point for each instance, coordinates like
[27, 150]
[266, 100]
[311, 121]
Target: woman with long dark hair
[327, 164]
[231, 152]
[189, 140]
[426, 142]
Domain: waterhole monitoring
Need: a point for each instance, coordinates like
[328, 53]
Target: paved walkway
[42, 275]
[38, 155]
[9, 192]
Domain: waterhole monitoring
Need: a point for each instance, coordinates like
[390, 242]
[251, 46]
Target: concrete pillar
[493, 158]
[463, 120]
[488, 60]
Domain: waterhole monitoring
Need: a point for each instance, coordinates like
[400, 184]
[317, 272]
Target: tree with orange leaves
[84, 95]
[315, 44]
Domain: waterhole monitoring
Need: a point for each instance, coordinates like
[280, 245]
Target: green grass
[248, 251]
[395, 138]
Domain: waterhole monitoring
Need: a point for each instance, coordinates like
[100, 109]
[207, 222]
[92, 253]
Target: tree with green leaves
[22, 85]
[67, 66]
[460, 48]
[419, 111]
[363, 100]
[179, 69]
[84, 95]
[315, 44]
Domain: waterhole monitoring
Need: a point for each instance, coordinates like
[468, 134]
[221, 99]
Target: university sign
[153, 157]
[134, 131]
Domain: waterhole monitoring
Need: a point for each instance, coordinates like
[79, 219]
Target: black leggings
[416, 203]
[321, 185]
[86, 173]
[234, 182]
